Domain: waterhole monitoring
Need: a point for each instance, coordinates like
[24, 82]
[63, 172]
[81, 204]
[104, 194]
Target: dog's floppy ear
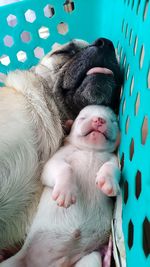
[56, 46]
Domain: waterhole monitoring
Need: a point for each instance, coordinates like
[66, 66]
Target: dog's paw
[106, 180]
[106, 185]
[64, 194]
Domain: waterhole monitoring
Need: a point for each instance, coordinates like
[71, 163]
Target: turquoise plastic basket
[27, 31]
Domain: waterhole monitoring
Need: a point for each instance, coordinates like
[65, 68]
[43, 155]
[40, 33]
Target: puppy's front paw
[107, 179]
[64, 194]
[106, 185]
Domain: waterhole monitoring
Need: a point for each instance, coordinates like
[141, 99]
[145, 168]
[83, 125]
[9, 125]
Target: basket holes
[49, 11]
[117, 55]
[25, 37]
[8, 41]
[39, 52]
[118, 44]
[69, 6]
[5, 60]
[128, 72]
[138, 186]
[135, 45]
[12, 20]
[124, 61]
[121, 52]
[146, 231]
[44, 32]
[126, 31]
[142, 56]
[138, 7]
[62, 28]
[130, 36]
[137, 103]
[117, 48]
[21, 56]
[121, 92]
[144, 130]
[130, 234]
[122, 162]
[132, 6]
[148, 78]
[131, 85]
[131, 149]
[123, 25]
[145, 9]
[127, 124]
[126, 192]
[30, 15]
[123, 106]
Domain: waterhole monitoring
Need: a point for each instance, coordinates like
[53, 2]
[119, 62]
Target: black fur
[75, 90]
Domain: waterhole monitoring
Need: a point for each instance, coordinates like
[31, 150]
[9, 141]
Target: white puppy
[80, 178]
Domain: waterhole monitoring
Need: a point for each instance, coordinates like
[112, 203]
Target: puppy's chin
[93, 143]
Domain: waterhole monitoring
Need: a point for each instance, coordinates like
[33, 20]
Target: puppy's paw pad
[106, 185]
[64, 195]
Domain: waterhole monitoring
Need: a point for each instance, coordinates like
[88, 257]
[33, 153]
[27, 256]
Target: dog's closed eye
[63, 52]
[68, 50]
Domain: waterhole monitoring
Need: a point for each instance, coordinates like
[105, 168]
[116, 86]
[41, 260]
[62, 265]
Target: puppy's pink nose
[99, 120]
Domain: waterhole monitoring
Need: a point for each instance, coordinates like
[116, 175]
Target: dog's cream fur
[30, 132]
[67, 237]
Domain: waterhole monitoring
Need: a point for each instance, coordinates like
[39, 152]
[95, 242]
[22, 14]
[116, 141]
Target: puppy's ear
[68, 125]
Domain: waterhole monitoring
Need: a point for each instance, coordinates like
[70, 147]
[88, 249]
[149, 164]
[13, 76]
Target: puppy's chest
[86, 164]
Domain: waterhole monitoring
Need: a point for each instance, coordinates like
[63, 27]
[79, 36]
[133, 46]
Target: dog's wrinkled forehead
[75, 44]
[61, 53]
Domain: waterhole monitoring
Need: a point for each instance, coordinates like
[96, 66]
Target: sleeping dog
[73, 219]
[33, 107]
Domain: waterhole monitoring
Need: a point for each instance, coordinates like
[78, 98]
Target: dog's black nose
[101, 42]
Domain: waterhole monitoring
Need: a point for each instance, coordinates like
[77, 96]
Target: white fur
[91, 260]
[62, 236]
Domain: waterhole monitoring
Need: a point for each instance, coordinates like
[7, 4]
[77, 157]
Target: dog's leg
[91, 260]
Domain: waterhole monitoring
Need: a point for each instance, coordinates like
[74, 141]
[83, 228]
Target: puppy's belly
[69, 233]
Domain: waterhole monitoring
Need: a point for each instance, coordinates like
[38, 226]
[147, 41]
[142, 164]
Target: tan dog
[33, 107]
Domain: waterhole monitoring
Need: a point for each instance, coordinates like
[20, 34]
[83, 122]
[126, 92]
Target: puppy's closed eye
[82, 118]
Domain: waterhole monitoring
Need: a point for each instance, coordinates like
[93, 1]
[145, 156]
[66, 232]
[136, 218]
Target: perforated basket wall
[27, 31]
